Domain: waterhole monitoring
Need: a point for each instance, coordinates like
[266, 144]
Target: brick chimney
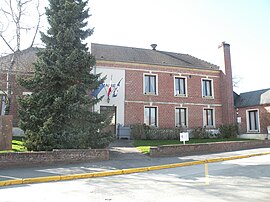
[226, 85]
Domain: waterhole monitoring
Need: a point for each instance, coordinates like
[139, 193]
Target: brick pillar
[6, 132]
[226, 85]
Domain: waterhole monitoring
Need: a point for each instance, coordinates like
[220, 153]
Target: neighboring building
[253, 113]
[165, 89]
[23, 66]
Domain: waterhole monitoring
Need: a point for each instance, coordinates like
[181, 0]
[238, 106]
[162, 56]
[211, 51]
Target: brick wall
[5, 132]
[165, 101]
[197, 149]
[26, 159]
[264, 118]
[226, 85]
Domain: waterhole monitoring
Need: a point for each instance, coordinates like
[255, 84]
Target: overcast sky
[195, 27]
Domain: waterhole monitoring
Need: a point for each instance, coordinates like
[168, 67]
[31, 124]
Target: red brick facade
[166, 102]
[135, 100]
[263, 119]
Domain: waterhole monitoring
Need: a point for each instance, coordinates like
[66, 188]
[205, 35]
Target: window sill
[253, 131]
[180, 95]
[209, 127]
[208, 97]
[149, 93]
[152, 126]
[182, 127]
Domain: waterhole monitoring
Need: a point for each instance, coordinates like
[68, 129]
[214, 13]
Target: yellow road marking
[127, 171]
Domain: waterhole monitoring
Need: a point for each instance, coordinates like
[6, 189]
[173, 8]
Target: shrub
[200, 133]
[228, 131]
[162, 134]
[138, 131]
[144, 132]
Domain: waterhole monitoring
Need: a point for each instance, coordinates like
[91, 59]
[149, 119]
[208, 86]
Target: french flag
[110, 89]
[97, 91]
[116, 89]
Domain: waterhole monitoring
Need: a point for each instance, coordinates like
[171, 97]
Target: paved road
[245, 180]
[123, 155]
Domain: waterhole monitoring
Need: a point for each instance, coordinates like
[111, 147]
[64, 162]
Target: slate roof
[23, 63]
[253, 98]
[147, 56]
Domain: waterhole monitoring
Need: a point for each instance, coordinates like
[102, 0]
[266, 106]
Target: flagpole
[109, 90]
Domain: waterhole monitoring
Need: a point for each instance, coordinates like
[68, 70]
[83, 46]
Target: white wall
[115, 75]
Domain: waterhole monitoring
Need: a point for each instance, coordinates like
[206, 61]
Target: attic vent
[153, 46]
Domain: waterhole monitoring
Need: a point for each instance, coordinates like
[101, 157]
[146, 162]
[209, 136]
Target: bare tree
[12, 24]
[236, 81]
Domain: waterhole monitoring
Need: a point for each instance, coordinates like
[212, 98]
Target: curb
[123, 171]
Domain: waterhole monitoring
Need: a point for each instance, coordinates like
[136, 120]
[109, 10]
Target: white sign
[184, 137]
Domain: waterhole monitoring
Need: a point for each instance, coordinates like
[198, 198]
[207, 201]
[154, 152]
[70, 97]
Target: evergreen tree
[59, 112]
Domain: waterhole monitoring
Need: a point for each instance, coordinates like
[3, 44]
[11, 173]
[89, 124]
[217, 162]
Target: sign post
[184, 137]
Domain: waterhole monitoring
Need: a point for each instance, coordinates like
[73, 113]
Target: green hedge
[143, 132]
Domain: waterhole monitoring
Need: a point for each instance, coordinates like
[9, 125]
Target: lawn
[144, 145]
[17, 145]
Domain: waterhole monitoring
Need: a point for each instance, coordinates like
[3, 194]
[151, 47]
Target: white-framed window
[181, 117]
[253, 122]
[180, 86]
[150, 116]
[150, 84]
[207, 88]
[2, 104]
[209, 118]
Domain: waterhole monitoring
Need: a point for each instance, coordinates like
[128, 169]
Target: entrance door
[110, 109]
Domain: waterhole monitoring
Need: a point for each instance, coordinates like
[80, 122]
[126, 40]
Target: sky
[194, 27]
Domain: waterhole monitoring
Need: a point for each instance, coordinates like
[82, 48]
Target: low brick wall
[205, 148]
[28, 159]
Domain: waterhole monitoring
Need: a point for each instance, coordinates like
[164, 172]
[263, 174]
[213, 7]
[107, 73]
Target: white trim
[180, 107]
[173, 103]
[148, 106]
[204, 118]
[212, 88]
[180, 95]
[159, 71]
[247, 121]
[150, 93]
[143, 65]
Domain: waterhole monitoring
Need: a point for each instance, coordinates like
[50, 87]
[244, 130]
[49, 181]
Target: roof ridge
[265, 89]
[121, 46]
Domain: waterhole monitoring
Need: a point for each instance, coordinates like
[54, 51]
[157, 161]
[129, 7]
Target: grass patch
[144, 145]
[17, 145]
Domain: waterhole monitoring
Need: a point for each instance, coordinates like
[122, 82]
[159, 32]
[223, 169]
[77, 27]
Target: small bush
[228, 131]
[138, 131]
[162, 134]
[200, 133]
